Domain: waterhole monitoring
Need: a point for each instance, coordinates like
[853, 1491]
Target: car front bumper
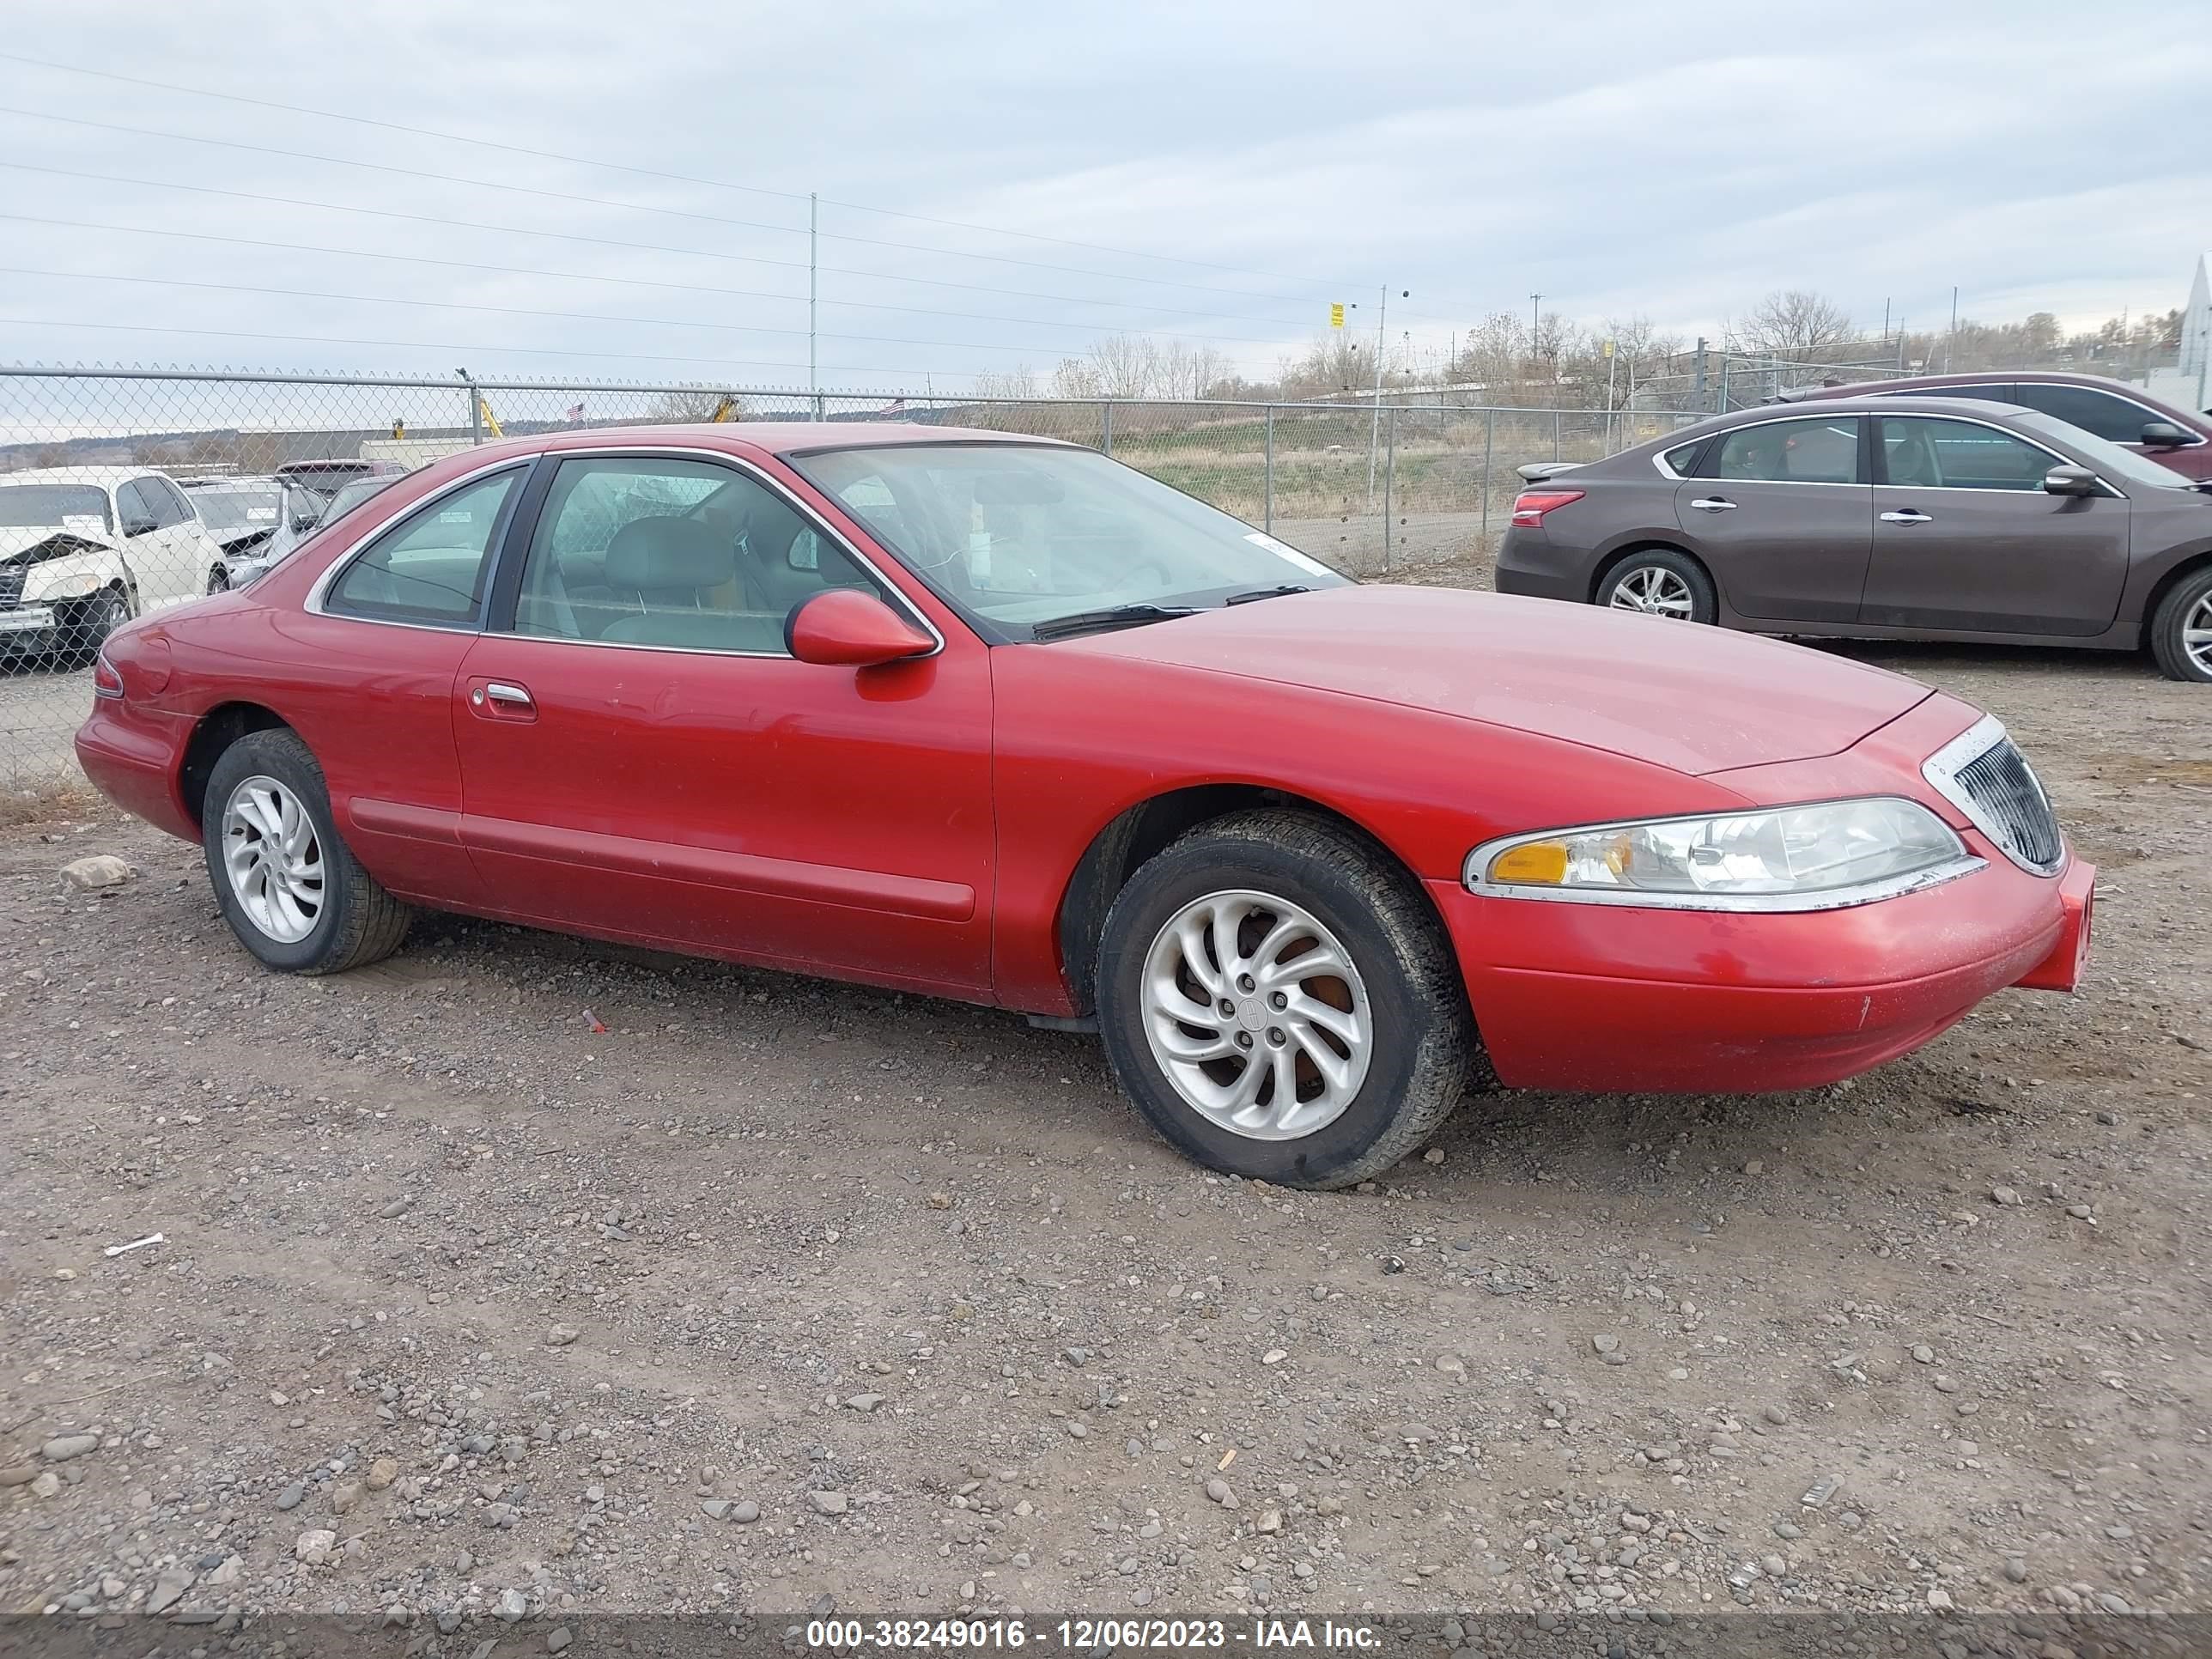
[1615, 999]
[27, 627]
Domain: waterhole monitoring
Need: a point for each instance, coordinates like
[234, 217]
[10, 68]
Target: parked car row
[999, 718]
[1900, 510]
[84, 549]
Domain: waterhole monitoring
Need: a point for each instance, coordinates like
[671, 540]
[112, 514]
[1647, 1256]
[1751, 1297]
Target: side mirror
[2163, 434]
[137, 526]
[2071, 481]
[844, 628]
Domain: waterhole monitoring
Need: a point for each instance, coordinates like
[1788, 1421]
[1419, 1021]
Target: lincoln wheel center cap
[1252, 1014]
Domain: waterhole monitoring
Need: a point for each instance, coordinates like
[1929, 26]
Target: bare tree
[687, 408]
[1795, 325]
[1186, 371]
[1017, 382]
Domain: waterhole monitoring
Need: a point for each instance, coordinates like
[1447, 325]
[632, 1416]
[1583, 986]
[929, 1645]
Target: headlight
[1816, 857]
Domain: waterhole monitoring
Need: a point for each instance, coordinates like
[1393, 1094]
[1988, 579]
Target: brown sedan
[1891, 518]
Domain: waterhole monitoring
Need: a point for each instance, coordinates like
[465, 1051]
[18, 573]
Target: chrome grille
[11, 586]
[1982, 774]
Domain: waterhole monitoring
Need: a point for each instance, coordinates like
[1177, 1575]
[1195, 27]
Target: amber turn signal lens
[1538, 861]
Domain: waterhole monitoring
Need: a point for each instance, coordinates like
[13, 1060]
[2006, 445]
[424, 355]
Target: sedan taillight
[1530, 505]
[106, 681]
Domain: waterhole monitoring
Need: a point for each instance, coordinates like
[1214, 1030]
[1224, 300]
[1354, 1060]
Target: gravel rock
[315, 1546]
[828, 1502]
[717, 1508]
[513, 1606]
[381, 1473]
[864, 1402]
[45, 1484]
[744, 1512]
[561, 1336]
[397, 1207]
[292, 1496]
[1218, 1491]
[558, 1639]
[168, 1589]
[64, 1447]
[1606, 1343]
[90, 874]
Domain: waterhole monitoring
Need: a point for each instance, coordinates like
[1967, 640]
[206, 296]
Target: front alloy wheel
[1280, 1001]
[1256, 1015]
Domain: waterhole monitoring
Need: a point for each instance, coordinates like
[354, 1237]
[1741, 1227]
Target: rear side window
[1678, 461]
[429, 568]
[132, 508]
[1788, 452]
[2115, 419]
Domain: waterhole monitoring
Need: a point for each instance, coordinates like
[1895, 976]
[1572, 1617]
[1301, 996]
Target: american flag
[897, 406]
[574, 412]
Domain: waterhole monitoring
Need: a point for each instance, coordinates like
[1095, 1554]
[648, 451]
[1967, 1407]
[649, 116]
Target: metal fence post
[1555, 434]
[476, 411]
[1488, 440]
[1106, 423]
[1268, 499]
[1389, 475]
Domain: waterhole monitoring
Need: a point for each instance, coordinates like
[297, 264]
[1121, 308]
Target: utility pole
[1375, 423]
[1952, 341]
[1535, 320]
[813, 381]
[1885, 322]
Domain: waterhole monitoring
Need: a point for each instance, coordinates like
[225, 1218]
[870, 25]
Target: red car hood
[1696, 699]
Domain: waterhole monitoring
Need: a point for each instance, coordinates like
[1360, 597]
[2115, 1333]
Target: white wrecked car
[84, 549]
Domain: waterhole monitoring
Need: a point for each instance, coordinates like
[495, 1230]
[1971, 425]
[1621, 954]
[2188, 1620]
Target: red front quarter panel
[1081, 737]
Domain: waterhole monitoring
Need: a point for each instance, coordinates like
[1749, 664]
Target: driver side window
[682, 554]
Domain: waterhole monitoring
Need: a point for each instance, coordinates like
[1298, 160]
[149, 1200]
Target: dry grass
[45, 803]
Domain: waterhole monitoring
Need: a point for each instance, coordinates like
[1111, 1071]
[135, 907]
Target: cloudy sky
[1002, 183]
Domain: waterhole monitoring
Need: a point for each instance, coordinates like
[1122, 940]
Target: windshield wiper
[1267, 593]
[1116, 616]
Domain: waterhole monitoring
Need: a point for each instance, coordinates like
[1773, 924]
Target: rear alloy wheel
[1660, 582]
[1280, 1002]
[288, 886]
[2181, 629]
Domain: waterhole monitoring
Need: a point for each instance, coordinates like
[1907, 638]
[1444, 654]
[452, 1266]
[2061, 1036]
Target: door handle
[507, 696]
[1906, 515]
[1714, 504]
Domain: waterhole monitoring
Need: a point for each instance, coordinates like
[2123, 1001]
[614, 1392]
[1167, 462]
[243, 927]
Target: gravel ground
[776, 1296]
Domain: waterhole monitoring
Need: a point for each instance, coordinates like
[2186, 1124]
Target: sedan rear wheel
[1661, 582]
[285, 881]
[1280, 1002]
[2181, 629]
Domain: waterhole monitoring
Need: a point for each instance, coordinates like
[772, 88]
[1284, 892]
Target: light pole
[1374, 421]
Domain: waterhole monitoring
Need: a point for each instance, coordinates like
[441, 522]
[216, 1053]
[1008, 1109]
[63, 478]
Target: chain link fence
[126, 490]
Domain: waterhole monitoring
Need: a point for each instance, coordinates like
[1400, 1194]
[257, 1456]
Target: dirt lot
[777, 1296]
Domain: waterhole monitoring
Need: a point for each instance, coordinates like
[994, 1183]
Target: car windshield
[227, 507]
[349, 497]
[1025, 534]
[36, 507]
[2113, 463]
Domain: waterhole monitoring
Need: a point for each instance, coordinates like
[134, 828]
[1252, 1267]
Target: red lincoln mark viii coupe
[1001, 720]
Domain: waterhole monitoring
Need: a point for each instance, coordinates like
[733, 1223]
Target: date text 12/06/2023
[1086, 1634]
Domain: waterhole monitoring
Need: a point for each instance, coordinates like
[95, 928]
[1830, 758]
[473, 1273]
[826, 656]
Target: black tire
[2171, 623]
[218, 581]
[1704, 602]
[86, 626]
[1426, 1056]
[356, 922]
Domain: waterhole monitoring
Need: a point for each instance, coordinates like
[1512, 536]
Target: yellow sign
[1608, 347]
[1336, 315]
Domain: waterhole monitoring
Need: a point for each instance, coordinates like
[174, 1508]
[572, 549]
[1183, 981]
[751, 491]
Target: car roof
[1981, 377]
[1984, 408]
[100, 477]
